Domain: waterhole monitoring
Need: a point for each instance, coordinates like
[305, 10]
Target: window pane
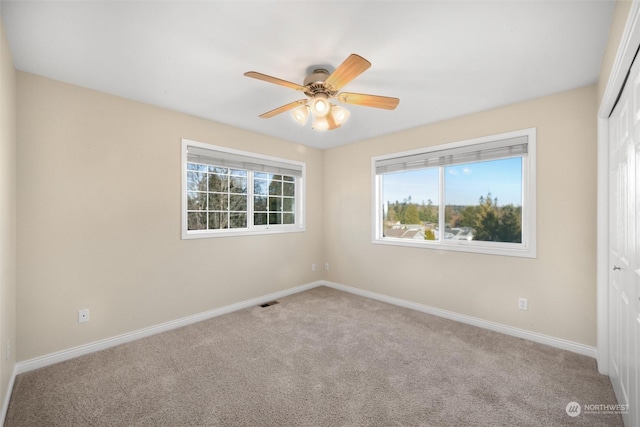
[218, 202]
[196, 201]
[260, 186]
[275, 188]
[484, 201]
[410, 204]
[238, 220]
[275, 218]
[196, 167]
[275, 204]
[260, 203]
[196, 221]
[218, 183]
[288, 189]
[196, 181]
[288, 204]
[237, 202]
[216, 169]
[288, 218]
[238, 184]
[260, 219]
[218, 220]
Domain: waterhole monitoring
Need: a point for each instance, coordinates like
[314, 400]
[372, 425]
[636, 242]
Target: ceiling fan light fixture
[340, 114]
[301, 114]
[320, 105]
[320, 124]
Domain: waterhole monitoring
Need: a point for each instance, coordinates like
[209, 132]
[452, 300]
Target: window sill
[484, 248]
[235, 233]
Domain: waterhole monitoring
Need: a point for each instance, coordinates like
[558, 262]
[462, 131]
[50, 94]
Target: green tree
[411, 215]
[469, 217]
[431, 212]
[488, 223]
[510, 229]
[429, 234]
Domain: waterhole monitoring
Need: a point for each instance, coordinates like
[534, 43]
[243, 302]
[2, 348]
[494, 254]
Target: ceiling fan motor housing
[314, 83]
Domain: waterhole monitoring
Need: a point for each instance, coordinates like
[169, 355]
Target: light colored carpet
[318, 358]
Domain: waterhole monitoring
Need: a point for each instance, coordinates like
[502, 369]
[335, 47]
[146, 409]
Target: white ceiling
[442, 59]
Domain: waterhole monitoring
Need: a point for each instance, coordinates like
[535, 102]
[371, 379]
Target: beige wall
[99, 220]
[7, 214]
[620, 16]
[560, 283]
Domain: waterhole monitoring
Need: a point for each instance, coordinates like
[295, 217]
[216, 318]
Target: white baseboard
[7, 397]
[485, 324]
[50, 359]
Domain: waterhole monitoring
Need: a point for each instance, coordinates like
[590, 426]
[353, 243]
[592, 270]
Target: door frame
[627, 49]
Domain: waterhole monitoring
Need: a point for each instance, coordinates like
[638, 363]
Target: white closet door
[624, 244]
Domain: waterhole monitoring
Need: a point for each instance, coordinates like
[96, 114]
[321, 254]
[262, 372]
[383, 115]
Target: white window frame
[257, 159]
[525, 249]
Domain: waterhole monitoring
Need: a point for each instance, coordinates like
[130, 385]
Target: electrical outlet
[83, 315]
[523, 304]
[8, 353]
[326, 265]
[313, 267]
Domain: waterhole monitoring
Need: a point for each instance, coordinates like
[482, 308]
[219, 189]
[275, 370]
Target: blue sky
[464, 183]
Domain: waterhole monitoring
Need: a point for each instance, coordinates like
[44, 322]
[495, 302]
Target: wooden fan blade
[264, 77]
[351, 68]
[287, 107]
[369, 100]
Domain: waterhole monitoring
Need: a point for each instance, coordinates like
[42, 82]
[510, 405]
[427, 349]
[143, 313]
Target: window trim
[525, 249]
[300, 191]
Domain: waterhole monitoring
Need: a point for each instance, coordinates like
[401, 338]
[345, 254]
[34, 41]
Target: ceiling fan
[320, 86]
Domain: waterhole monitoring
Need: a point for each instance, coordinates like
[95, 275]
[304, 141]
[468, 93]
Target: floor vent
[267, 304]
